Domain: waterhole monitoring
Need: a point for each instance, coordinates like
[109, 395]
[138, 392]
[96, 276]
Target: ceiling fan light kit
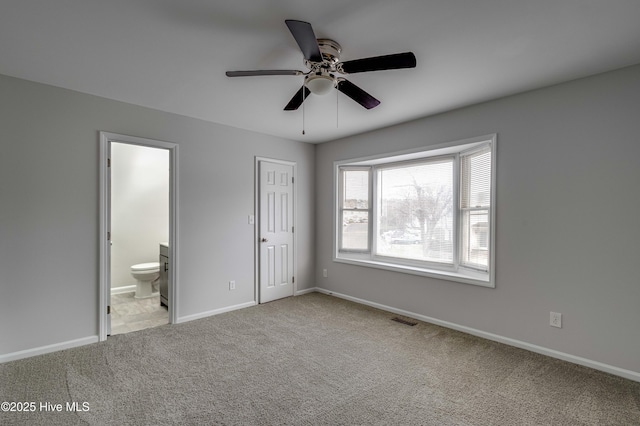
[320, 83]
[322, 58]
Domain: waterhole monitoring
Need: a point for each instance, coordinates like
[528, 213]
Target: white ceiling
[171, 55]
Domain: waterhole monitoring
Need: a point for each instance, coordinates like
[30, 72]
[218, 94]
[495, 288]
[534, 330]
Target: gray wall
[568, 219]
[49, 209]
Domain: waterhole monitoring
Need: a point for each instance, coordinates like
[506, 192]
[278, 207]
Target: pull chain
[337, 108]
[303, 90]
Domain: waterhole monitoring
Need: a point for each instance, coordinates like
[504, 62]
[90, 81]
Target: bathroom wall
[139, 208]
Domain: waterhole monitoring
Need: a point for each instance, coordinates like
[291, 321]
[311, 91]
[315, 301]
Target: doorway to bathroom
[138, 197]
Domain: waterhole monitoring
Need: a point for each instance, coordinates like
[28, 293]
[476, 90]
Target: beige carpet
[312, 360]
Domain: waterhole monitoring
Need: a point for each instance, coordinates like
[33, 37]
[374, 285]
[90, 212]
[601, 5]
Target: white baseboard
[123, 289]
[28, 353]
[627, 374]
[95, 339]
[214, 312]
[306, 290]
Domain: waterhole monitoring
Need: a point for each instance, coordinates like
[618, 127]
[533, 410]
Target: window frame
[457, 270]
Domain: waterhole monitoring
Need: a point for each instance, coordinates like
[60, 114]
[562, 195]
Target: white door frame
[256, 239]
[105, 218]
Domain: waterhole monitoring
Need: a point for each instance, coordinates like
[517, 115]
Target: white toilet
[146, 275]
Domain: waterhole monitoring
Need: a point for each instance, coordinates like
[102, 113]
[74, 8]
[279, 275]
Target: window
[425, 212]
[415, 214]
[355, 211]
[475, 202]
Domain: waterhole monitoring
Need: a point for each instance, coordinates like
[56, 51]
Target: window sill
[462, 276]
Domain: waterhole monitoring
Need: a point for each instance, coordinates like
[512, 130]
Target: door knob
[264, 240]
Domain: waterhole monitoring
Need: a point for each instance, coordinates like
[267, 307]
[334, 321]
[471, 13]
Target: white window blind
[476, 179]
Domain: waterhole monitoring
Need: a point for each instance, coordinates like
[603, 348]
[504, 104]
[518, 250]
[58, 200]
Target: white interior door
[276, 231]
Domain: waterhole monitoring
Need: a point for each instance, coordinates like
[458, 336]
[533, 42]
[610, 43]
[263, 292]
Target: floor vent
[403, 321]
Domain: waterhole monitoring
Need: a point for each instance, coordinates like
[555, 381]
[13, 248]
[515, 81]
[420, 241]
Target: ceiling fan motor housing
[330, 50]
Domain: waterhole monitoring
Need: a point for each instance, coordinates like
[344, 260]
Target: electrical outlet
[232, 285]
[325, 273]
[555, 319]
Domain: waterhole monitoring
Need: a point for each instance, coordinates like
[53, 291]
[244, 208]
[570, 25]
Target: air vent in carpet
[403, 321]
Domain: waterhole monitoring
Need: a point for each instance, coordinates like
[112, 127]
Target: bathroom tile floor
[131, 314]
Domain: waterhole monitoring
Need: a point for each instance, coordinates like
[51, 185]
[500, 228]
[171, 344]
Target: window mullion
[373, 211]
[457, 214]
[340, 204]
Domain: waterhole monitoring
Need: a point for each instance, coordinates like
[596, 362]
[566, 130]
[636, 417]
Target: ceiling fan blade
[357, 94]
[306, 39]
[297, 99]
[378, 63]
[253, 73]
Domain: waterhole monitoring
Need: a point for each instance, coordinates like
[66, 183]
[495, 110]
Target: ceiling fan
[322, 57]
